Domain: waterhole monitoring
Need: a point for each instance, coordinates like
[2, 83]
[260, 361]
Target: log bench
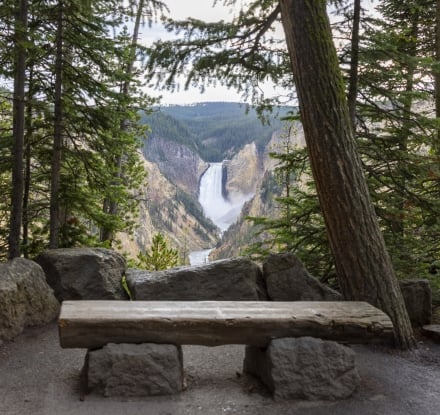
[97, 325]
[93, 324]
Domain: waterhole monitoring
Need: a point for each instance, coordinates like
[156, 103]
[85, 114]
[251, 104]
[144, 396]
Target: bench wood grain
[92, 324]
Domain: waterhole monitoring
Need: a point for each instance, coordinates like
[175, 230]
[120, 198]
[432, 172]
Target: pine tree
[82, 106]
[160, 256]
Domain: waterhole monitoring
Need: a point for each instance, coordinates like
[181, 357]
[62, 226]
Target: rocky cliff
[168, 209]
[169, 200]
[243, 173]
[243, 233]
[181, 165]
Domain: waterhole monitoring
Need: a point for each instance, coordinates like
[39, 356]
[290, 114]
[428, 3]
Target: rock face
[304, 368]
[418, 300]
[166, 208]
[243, 173]
[230, 279]
[84, 273]
[180, 164]
[135, 369]
[241, 234]
[287, 280]
[25, 297]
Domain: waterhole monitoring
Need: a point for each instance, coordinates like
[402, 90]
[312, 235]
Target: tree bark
[354, 63]
[362, 262]
[437, 72]
[18, 129]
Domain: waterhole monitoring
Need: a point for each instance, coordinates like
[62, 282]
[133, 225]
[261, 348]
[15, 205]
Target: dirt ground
[38, 377]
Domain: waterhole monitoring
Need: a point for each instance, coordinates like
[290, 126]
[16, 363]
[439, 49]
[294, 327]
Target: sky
[203, 10]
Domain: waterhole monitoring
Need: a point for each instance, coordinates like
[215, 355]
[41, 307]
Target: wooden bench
[93, 324]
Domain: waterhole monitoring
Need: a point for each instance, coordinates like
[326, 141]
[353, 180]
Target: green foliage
[398, 133]
[240, 54]
[215, 130]
[125, 287]
[297, 224]
[100, 134]
[159, 257]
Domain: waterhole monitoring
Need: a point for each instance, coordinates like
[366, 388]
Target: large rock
[287, 280]
[418, 300]
[84, 273]
[135, 369]
[304, 368]
[227, 280]
[25, 297]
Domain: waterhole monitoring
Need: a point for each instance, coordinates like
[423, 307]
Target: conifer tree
[160, 256]
[74, 73]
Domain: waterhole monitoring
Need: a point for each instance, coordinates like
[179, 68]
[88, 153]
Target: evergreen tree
[160, 256]
[76, 67]
[398, 129]
[20, 54]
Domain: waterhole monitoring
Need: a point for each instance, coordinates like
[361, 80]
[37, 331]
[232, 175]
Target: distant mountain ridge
[214, 130]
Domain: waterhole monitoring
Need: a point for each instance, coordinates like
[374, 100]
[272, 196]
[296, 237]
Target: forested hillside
[215, 130]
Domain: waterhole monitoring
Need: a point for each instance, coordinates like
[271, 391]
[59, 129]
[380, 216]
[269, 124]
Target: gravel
[38, 377]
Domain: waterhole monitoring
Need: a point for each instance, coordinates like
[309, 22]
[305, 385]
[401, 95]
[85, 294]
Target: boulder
[84, 273]
[418, 300]
[304, 368]
[25, 298]
[287, 279]
[237, 279]
[433, 331]
[135, 369]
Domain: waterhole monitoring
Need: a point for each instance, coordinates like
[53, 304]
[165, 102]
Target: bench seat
[93, 324]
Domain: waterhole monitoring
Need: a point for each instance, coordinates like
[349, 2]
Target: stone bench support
[135, 370]
[304, 368]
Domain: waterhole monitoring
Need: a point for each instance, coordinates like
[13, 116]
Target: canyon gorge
[200, 204]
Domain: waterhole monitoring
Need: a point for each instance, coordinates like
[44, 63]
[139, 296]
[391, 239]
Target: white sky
[203, 10]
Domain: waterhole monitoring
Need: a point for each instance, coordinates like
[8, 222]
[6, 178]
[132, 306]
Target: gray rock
[433, 331]
[84, 273]
[135, 369]
[418, 300]
[304, 368]
[228, 280]
[25, 298]
[287, 280]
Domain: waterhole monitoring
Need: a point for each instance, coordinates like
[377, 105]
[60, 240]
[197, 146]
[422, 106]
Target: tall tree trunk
[362, 262]
[54, 226]
[354, 63]
[397, 223]
[437, 72]
[18, 128]
[111, 206]
[27, 163]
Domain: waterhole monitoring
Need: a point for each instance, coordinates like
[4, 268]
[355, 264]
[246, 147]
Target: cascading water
[221, 211]
[211, 197]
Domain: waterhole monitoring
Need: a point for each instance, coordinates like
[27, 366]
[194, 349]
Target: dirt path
[38, 377]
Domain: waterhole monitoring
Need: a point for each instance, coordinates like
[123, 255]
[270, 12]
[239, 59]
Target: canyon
[200, 204]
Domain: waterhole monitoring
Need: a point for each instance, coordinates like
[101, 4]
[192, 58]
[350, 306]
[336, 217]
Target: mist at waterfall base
[220, 210]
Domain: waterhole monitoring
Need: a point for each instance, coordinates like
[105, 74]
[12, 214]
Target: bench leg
[304, 368]
[135, 369]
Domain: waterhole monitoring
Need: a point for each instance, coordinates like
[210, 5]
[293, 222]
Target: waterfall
[215, 206]
[221, 211]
